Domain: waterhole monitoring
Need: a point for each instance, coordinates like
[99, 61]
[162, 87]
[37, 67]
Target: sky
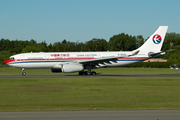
[82, 20]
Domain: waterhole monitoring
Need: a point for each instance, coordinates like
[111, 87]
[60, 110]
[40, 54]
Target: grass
[28, 94]
[117, 70]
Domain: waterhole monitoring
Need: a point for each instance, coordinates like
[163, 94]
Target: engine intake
[56, 70]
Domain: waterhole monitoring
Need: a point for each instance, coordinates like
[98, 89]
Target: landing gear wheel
[93, 73]
[81, 73]
[23, 73]
[86, 73]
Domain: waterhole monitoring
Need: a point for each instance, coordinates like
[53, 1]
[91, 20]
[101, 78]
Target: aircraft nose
[6, 61]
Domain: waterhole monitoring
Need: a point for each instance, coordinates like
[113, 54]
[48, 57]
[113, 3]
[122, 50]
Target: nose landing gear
[23, 72]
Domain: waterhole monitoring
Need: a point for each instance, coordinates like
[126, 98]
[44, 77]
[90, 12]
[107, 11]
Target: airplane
[68, 62]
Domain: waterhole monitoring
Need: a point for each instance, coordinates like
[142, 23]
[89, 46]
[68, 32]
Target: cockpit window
[11, 58]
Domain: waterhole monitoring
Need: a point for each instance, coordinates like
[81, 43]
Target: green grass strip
[31, 94]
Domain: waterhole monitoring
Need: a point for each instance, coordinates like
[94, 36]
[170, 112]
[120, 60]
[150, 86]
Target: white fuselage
[51, 59]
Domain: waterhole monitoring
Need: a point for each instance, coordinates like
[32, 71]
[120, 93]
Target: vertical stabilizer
[155, 41]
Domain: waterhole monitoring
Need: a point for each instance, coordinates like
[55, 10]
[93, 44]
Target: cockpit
[11, 58]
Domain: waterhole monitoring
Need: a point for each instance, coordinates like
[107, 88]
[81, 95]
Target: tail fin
[155, 41]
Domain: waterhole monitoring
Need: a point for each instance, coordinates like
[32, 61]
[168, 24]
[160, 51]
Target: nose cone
[7, 61]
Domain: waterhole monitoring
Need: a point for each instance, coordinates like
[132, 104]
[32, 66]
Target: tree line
[120, 42]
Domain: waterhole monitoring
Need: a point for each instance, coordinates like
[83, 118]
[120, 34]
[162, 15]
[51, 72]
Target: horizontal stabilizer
[152, 54]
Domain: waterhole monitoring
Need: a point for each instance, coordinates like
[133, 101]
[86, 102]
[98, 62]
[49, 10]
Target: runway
[87, 76]
[94, 114]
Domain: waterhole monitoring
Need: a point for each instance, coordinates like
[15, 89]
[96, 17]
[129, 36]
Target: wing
[100, 60]
[104, 59]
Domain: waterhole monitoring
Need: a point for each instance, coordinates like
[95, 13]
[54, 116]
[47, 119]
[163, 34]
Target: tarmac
[93, 115]
[85, 76]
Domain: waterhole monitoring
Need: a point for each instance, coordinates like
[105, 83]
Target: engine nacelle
[56, 70]
[68, 68]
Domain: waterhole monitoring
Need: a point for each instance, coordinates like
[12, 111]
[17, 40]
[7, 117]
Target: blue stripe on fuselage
[69, 61]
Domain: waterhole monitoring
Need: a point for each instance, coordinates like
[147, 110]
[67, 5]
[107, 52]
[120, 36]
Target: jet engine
[68, 68]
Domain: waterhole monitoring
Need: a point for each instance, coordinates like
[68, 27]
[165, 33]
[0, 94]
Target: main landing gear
[23, 72]
[87, 73]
